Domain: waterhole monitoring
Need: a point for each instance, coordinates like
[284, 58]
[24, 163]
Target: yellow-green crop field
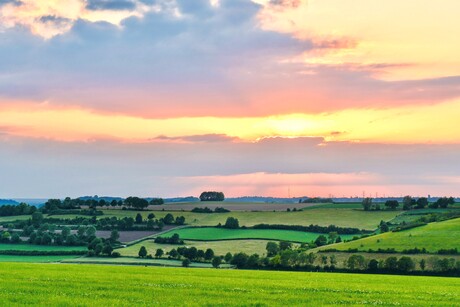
[89, 285]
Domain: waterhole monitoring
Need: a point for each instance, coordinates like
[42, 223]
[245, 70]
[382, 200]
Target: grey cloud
[15, 2]
[162, 60]
[37, 167]
[114, 5]
[286, 3]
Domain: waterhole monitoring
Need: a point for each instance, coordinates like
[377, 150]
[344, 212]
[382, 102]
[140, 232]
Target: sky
[164, 98]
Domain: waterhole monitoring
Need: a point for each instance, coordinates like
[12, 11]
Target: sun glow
[396, 125]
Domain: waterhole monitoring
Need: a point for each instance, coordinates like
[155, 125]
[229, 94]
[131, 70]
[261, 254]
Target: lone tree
[186, 263]
[408, 202]
[138, 218]
[272, 249]
[212, 196]
[232, 223]
[392, 204]
[422, 202]
[159, 253]
[216, 261]
[142, 252]
[367, 204]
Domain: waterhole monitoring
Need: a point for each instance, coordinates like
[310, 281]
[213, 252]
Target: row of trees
[107, 223]
[408, 203]
[21, 209]
[189, 253]
[403, 264]
[207, 210]
[68, 203]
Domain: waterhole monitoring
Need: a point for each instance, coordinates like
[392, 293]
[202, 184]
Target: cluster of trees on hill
[68, 203]
[408, 203]
[207, 210]
[212, 196]
[21, 209]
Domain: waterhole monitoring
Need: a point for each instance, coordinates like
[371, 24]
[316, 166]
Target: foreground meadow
[63, 284]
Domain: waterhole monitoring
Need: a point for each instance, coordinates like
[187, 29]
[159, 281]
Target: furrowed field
[64, 284]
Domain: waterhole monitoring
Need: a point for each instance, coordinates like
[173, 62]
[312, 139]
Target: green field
[215, 234]
[29, 247]
[11, 258]
[219, 247]
[434, 236]
[65, 284]
[14, 218]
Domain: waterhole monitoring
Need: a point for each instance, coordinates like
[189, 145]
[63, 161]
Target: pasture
[137, 261]
[434, 236]
[219, 247]
[318, 216]
[217, 234]
[66, 284]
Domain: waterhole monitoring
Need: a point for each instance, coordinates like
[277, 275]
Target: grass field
[138, 261]
[219, 247]
[434, 236]
[213, 234]
[11, 258]
[65, 284]
[29, 247]
[320, 216]
[335, 206]
[346, 215]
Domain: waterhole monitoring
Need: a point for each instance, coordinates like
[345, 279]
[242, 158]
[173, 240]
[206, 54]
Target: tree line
[408, 203]
[68, 203]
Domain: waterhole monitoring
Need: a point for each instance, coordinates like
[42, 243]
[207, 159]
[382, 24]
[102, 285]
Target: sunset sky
[173, 97]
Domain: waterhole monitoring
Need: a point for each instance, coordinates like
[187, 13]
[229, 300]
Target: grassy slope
[63, 284]
[219, 247]
[28, 247]
[212, 234]
[433, 237]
